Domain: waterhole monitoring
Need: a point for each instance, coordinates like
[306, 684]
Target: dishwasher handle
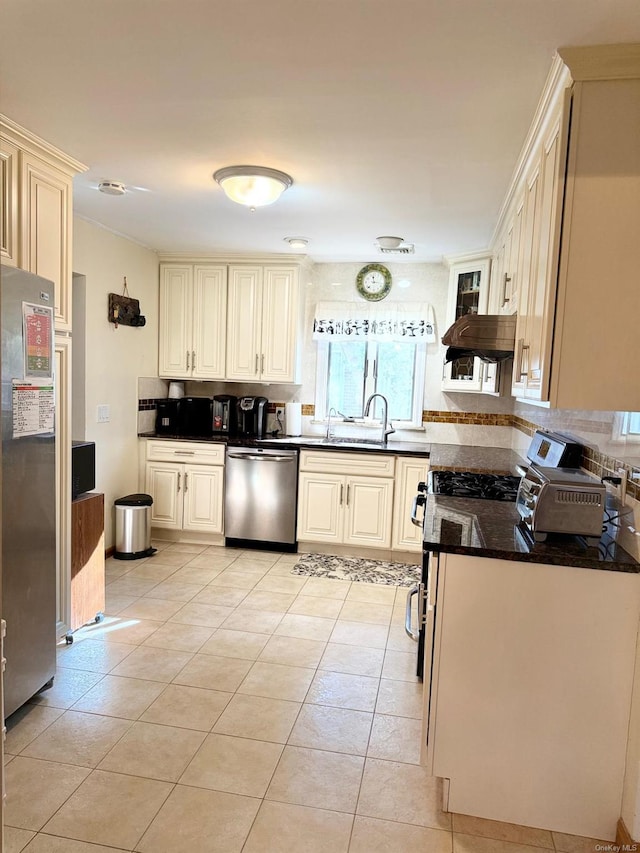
[259, 458]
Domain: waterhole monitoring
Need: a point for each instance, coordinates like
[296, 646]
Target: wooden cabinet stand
[87, 558]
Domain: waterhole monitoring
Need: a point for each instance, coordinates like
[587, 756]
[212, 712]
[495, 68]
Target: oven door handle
[419, 500]
[415, 590]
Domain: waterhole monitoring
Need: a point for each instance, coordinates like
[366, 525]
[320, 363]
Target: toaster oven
[561, 500]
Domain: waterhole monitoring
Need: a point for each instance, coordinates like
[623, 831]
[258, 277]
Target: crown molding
[467, 257]
[226, 258]
[602, 61]
[27, 141]
[558, 79]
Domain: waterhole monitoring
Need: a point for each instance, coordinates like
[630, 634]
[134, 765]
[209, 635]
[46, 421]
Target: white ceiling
[402, 117]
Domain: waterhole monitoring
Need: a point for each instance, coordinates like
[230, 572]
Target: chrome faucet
[387, 429]
[333, 412]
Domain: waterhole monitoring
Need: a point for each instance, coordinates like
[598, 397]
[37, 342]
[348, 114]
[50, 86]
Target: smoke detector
[394, 246]
[112, 187]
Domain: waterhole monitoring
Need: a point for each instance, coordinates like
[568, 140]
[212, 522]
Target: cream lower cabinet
[263, 323]
[193, 317]
[530, 691]
[345, 509]
[409, 472]
[186, 495]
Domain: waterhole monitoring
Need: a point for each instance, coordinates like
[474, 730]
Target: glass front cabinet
[469, 294]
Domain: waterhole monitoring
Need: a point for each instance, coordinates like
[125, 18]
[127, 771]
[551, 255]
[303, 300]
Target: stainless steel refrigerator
[28, 484]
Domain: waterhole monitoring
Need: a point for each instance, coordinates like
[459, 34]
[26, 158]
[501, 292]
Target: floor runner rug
[357, 569]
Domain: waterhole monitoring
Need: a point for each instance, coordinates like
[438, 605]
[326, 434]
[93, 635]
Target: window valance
[394, 321]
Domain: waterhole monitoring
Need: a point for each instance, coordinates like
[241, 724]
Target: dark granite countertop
[486, 460]
[481, 528]
[308, 442]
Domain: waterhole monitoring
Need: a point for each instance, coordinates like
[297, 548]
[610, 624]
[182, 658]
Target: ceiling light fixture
[389, 242]
[112, 187]
[297, 242]
[253, 186]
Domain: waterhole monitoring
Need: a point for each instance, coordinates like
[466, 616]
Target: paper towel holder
[293, 418]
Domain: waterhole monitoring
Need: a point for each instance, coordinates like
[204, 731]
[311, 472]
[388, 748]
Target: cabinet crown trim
[602, 62]
[28, 141]
[186, 258]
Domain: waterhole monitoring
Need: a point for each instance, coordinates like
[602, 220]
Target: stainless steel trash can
[133, 527]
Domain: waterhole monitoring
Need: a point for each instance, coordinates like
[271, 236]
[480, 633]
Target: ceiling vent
[404, 249]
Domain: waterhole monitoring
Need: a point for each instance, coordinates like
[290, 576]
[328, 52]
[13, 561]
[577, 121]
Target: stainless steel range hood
[490, 337]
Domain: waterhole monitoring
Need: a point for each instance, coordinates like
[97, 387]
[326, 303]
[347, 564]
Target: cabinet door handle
[444, 368]
[348, 490]
[341, 492]
[256, 370]
[262, 363]
[507, 279]
[485, 378]
[179, 475]
[186, 481]
[193, 360]
[520, 373]
[187, 359]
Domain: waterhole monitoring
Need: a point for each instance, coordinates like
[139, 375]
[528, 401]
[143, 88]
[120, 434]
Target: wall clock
[373, 282]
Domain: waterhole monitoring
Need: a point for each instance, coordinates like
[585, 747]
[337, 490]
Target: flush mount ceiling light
[297, 242]
[394, 246]
[112, 187]
[253, 186]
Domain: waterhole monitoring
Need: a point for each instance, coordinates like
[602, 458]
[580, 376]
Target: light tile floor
[225, 704]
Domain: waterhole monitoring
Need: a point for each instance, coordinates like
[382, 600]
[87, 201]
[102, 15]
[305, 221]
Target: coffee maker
[252, 416]
[167, 417]
[224, 414]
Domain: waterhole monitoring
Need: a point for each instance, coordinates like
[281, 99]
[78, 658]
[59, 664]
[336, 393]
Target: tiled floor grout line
[192, 653]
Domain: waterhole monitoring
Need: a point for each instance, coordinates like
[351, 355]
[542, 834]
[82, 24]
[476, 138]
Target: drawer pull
[184, 453]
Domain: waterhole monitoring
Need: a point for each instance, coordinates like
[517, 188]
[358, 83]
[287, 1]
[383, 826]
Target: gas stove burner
[470, 484]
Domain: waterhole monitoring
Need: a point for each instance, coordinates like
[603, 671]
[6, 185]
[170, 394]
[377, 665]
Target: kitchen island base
[529, 699]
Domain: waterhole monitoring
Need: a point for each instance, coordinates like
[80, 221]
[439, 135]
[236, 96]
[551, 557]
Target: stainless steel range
[551, 450]
[471, 484]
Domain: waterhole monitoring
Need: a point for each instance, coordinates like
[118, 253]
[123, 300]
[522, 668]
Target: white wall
[115, 357]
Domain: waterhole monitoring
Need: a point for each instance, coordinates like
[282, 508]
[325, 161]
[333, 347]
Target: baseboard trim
[110, 551]
[623, 839]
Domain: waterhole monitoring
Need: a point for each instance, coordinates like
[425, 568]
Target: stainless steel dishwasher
[261, 496]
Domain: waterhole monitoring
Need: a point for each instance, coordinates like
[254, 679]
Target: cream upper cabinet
[579, 176]
[46, 201]
[505, 272]
[540, 247]
[193, 301]
[263, 323]
[469, 287]
[9, 239]
[244, 323]
[36, 220]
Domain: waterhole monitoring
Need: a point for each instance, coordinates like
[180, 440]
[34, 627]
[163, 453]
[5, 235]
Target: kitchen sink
[335, 441]
[357, 442]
